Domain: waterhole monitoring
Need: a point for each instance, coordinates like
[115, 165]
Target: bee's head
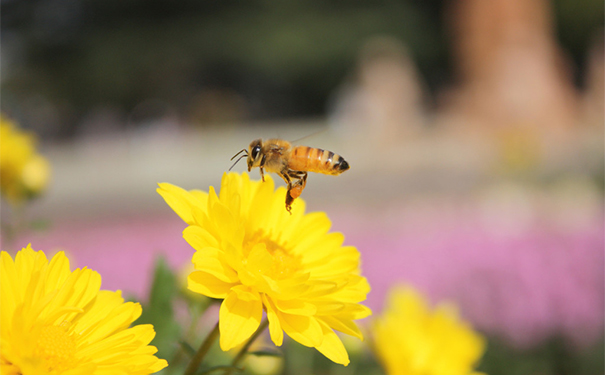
[254, 154]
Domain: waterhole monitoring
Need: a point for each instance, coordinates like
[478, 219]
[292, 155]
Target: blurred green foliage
[284, 58]
[159, 310]
[555, 356]
[579, 24]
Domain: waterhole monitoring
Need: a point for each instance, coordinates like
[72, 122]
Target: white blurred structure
[384, 101]
[511, 72]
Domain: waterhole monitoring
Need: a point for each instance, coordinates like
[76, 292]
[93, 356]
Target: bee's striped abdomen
[310, 159]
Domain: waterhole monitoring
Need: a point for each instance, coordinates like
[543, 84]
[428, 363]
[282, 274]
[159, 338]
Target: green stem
[244, 350]
[202, 351]
[190, 334]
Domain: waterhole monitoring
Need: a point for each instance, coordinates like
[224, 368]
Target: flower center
[57, 348]
[283, 265]
[275, 260]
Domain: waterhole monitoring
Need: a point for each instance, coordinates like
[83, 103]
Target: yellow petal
[231, 231]
[81, 287]
[304, 329]
[259, 259]
[330, 307]
[108, 315]
[354, 311]
[199, 237]
[297, 307]
[332, 347]
[320, 288]
[261, 205]
[342, 325]
[311, 228]
[337, 261]
[102, 307]
[201, 196]
[208, 285]
[207, 260]
[275, 330]
[181, 201]
[355, 290]
[239, 316]
[332, 241]
[58, 271]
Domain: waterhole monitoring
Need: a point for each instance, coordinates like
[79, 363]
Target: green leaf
[266, 353]
[159, 310]
[217, 368]
[554, 355]
[187, 348]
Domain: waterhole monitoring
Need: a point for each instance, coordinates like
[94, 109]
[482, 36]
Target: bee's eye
[254, 152]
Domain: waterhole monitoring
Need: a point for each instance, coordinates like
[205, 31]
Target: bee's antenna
[244, 150]
[240, 158]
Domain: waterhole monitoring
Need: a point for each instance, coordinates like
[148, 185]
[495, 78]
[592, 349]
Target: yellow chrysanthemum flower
[23, 172]
[256, 256]
[409, 339]
[55, 321]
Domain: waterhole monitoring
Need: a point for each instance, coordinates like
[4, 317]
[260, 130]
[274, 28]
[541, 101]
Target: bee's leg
[289, 201]
[304, 179]
[285, 177]
[261, 166]
[299, 180]
[284, 173]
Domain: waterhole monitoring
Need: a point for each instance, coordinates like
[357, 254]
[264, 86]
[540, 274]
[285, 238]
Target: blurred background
[474, 131]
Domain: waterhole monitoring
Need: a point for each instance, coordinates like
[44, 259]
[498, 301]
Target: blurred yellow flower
[409, 339]
[256, 256]
[23, 172]
[55, 321]
[520, 148]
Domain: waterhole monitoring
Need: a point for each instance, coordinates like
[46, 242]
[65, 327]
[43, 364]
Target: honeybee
[291, 163]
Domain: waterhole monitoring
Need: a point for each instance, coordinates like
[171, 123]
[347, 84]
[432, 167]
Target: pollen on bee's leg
[289, 200]
[296, 191]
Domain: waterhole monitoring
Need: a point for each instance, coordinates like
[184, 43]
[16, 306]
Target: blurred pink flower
[523, 286]
[122, 250]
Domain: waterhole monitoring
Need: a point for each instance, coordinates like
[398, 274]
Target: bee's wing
[297, 141]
